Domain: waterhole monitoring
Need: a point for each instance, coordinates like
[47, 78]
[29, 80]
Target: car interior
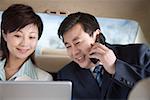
[130, 17]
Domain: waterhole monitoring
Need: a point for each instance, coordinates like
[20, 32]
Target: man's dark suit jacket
[132, 65]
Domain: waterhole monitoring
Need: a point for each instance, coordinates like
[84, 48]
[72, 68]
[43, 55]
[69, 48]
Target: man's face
[78, 44]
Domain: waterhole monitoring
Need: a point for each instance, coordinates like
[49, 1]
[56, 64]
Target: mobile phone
[94, 60]
[100, 39]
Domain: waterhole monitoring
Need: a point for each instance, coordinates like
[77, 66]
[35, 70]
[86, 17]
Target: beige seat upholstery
[51, 63]
[141, 91]
[52, 60]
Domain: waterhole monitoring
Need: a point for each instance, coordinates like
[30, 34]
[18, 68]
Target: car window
[116, 31]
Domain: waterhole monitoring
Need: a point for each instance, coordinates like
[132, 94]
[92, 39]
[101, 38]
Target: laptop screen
[54, 90]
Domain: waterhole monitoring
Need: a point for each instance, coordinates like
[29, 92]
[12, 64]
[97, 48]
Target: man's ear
[97, 32]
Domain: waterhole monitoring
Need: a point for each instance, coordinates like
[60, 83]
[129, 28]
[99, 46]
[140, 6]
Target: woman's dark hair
[16, 17]
[88, 23]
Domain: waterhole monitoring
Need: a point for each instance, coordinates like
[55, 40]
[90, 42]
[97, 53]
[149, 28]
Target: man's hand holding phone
[104, 55]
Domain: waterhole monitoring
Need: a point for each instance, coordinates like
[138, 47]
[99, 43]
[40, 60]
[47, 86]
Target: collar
[2, 71]
[27, 69]
[92, 69]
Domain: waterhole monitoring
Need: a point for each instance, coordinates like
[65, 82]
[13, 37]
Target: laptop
[54, 90]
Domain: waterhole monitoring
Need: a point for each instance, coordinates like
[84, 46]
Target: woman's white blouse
[27, 72]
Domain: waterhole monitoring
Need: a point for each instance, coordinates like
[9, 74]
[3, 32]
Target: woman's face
[22, 43]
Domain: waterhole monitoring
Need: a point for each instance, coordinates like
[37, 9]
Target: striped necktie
[98, 74]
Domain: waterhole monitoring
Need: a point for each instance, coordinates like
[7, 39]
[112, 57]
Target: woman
[21, 29]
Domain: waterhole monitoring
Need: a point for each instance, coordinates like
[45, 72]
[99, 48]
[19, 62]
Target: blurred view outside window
[116, 31]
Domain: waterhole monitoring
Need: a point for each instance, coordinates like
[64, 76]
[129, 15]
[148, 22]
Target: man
[121, 66]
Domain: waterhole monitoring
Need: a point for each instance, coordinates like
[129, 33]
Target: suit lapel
[88, 82]
[105, 85]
